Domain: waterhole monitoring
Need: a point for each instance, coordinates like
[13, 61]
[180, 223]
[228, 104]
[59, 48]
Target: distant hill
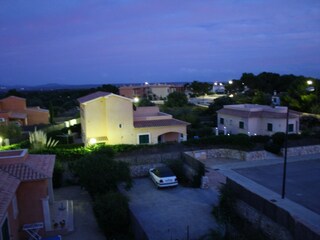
[47, 87]
[57, 86]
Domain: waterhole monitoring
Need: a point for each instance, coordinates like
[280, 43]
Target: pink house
[25, 194]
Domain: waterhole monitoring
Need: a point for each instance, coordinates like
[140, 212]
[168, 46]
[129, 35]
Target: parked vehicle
[163, 177]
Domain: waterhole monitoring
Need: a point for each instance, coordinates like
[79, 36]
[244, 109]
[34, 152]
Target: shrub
[112, 213]
[99, 173]
[278, 138]
[260, 139]
[272, 147]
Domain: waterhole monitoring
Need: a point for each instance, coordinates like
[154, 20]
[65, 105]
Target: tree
[11, 131]
[112, 212]
[219, 103]
[145, 102]
[200, 88]
[176, 99]
[99, 173]
[261, 98]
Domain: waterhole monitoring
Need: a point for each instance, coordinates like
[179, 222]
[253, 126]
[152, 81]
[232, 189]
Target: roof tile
[93, 96]
[159, 123]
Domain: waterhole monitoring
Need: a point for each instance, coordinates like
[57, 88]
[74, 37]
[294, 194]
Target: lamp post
[284, 175]
[313, 88]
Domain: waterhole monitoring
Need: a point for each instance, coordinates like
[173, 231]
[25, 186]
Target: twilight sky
[125, 41]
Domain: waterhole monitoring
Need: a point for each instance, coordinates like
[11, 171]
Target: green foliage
[11, 131]
[219, 103]
[99, 173]
[261, 98]
[278, 138]
[225, 211]
[144, 102]
[240, 141]
[272, 147]
[112, 213]
[176, 99]
[38, 140]
[199, 88]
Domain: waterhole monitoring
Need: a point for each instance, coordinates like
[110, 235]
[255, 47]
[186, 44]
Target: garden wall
[275, 221]
[140, 164]
[250, 156]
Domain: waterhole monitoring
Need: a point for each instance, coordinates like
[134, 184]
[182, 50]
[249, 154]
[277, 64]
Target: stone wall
[274, 221]
[250, 156]
[140, 164]
[304, 150]
[227, 153]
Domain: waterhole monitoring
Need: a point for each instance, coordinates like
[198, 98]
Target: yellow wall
[156, 131]
[119, 112]
[111, 118]
[94, 119]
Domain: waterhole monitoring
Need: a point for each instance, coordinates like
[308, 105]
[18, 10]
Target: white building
[253, 119]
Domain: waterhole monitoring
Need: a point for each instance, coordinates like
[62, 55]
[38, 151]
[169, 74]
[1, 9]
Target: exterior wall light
[136, 99]
[92, 141]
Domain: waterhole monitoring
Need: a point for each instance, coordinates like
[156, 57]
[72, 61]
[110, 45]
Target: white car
[163, 177]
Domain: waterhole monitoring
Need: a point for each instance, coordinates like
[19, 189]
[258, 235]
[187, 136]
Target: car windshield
[163, 172]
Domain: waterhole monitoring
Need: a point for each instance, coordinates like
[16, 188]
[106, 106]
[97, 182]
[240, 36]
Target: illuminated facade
[113, 119]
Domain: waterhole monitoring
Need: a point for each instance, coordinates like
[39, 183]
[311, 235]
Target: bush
[278, 138]
[99, 173]
[260, 139]
[272, 147]
[112, 213]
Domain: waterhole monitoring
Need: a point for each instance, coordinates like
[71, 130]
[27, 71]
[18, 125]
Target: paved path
[85, 225]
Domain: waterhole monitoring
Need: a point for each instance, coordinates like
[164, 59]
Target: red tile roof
[159, 123]
[93, 96]
[8, 187]
[29, 168]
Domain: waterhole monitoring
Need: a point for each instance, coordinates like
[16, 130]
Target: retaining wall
[250, 156]
[274, 221]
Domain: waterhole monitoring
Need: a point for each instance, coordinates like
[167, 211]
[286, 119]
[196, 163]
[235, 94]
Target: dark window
[241, 124]
[221, 120]
[144, 139]
[270, 127]
[290, 127]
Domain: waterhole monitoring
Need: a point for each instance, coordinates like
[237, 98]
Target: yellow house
[113, 119]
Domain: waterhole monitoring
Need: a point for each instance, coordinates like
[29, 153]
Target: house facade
[14, 109]
[254, 119]
[150, 91]
[113, 119]
[25, 193]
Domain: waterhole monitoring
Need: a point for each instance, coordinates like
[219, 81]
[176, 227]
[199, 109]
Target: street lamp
[284, 175]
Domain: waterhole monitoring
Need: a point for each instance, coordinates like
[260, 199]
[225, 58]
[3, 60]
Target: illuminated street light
[136, 100]
[230, 82]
